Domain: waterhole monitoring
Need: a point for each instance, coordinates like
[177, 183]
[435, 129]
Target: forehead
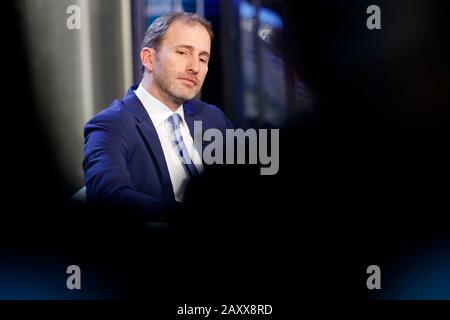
[181, 33]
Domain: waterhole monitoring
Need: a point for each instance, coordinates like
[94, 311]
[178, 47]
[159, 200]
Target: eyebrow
[192, 48]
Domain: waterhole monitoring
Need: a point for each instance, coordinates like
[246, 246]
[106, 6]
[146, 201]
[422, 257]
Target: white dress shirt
[159, 114]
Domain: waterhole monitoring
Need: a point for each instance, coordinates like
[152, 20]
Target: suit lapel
[148, 131]
[191, 115]
[150, 135]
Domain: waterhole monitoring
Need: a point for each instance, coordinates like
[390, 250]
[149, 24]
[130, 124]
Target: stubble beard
[168, 86]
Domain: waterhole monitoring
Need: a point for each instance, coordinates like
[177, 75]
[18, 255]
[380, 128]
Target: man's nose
[194, 65]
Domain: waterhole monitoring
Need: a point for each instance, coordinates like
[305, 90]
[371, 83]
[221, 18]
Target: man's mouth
[189, 81]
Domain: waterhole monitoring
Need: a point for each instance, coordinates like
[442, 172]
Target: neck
[155, 91]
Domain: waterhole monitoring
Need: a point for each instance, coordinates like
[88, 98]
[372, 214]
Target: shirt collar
[157, 110]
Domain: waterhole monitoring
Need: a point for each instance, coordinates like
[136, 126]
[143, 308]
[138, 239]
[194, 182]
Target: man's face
[181, 62]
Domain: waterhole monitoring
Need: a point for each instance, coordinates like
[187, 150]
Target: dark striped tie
[180, 146]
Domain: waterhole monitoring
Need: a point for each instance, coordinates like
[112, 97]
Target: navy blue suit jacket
[123, 159]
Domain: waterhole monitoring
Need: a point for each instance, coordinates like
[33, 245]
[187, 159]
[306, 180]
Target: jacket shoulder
[115, 118]
[202, 107]
[211, 112]
[114, 112]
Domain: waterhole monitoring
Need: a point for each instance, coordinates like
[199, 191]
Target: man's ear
[148, 56]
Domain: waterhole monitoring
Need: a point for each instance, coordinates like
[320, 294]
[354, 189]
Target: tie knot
[175, 120]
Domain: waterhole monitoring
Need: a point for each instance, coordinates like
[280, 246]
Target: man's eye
[181, 52]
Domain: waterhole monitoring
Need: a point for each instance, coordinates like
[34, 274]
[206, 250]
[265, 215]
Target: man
[139, 152]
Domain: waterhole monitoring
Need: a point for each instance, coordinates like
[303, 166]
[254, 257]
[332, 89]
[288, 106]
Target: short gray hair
[155, 33]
